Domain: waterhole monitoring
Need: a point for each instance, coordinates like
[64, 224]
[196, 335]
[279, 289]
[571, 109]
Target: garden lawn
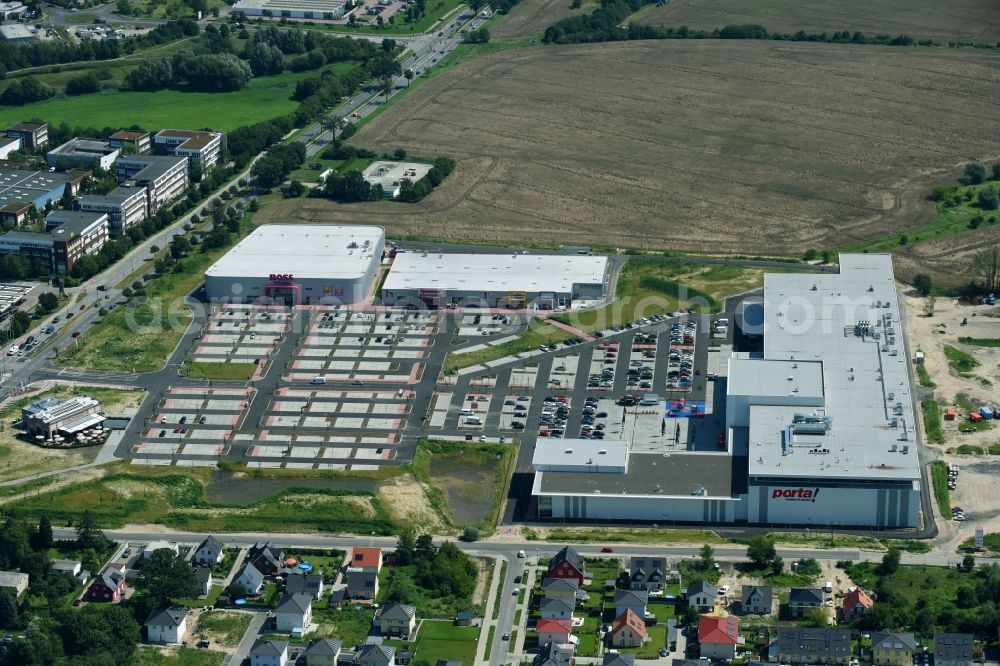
[266, 97]
[442, 640]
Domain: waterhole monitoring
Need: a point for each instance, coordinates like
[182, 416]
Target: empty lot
[668, 144]
[959, 20]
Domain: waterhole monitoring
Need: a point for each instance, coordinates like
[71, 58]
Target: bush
[989, 198]
[470, 534]
[975, 172]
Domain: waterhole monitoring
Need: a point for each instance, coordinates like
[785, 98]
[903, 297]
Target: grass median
[939, 479]
[539, 334]
[932, 421]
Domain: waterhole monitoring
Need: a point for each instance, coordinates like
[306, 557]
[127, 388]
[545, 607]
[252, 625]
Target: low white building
[304, 9]
[82, 153]
[154, 546]
[166, 625]
[16, 33]
[390, 175]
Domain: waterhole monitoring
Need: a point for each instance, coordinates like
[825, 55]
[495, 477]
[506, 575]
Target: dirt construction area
[975, 489]
[960, 21]
[664, 144]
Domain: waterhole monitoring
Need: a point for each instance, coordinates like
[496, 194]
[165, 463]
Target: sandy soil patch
[406, 499]
[321, 501]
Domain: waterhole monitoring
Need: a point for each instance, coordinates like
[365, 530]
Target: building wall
[607, 507]
[295, 13]
[121, 217]
[5, 151]
[833, 505]
[625, 637]
[892, 657]
[310, 290]
[165, 634]
[718, 651]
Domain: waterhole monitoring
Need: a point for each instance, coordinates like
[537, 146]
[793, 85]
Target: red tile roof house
[856, 604]
[109, 586]
[366, 558]
[628, 630]
[567, 563]
[718, 637]
[554, 631]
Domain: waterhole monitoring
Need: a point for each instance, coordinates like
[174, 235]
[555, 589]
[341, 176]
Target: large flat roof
[851, 323]
[585, 454]
[304, 251]
[775, 377]
[493, 272]
[654, 474]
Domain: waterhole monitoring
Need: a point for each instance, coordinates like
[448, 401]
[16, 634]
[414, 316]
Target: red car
[607, 549]
[76, 334]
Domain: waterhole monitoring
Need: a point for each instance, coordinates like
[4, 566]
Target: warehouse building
[82, 153]
[299, 264]
[21, 186]
[303, 9]
[820, 426]
[545, 281]
[17, 33]
[126, 207]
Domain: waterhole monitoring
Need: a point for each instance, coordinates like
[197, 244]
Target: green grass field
[932, 421]
[960, 361]
[539, 334]
[924, 377]
[200, 370]
[151, 656]
[949, 221]
[264, 98]
[980, 342]
[443, 640]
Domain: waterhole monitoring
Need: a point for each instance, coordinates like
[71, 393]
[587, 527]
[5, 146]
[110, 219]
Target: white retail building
[820, 428]
[299, 264]
[494, 280]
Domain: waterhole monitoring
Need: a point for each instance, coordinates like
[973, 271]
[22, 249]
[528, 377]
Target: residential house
[14, 581]
[266, 559]
[293, 612]
[322, 652]
[756, 599]
[647, 573]
[633, 600]
[269, 653]
[166, 625]
[311, 584]
[397, 620]
[628, 630]
[561, 588]
[953, 649]
[376, 655]
[719, 636]
[702, 595]
[108, 586]
[803, 645]
[554, 631]
[366, 558]
[70, 567]
[556, 609]
[204, 577]
[209, 552]
[620, 659]
[567, 564]
[554, 654]
[801, 600]
[250, 579]
[856, 604]
[893, 649]
[361, 583]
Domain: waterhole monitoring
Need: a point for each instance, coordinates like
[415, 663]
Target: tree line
[351, 187]
[607, 24]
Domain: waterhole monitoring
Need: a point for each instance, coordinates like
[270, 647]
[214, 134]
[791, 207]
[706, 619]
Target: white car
[724, 589]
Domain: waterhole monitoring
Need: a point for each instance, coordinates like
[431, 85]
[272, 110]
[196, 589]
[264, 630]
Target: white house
[294, 612]
[269, 653]
[209, 552]
[166, 625]
[250, 579]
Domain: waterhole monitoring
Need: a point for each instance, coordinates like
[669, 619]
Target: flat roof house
[15, 581]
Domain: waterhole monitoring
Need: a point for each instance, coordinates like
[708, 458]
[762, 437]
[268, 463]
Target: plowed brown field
[742, 147]
[956, 20]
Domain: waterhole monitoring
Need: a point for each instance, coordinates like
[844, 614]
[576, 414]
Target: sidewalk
[488, 621]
